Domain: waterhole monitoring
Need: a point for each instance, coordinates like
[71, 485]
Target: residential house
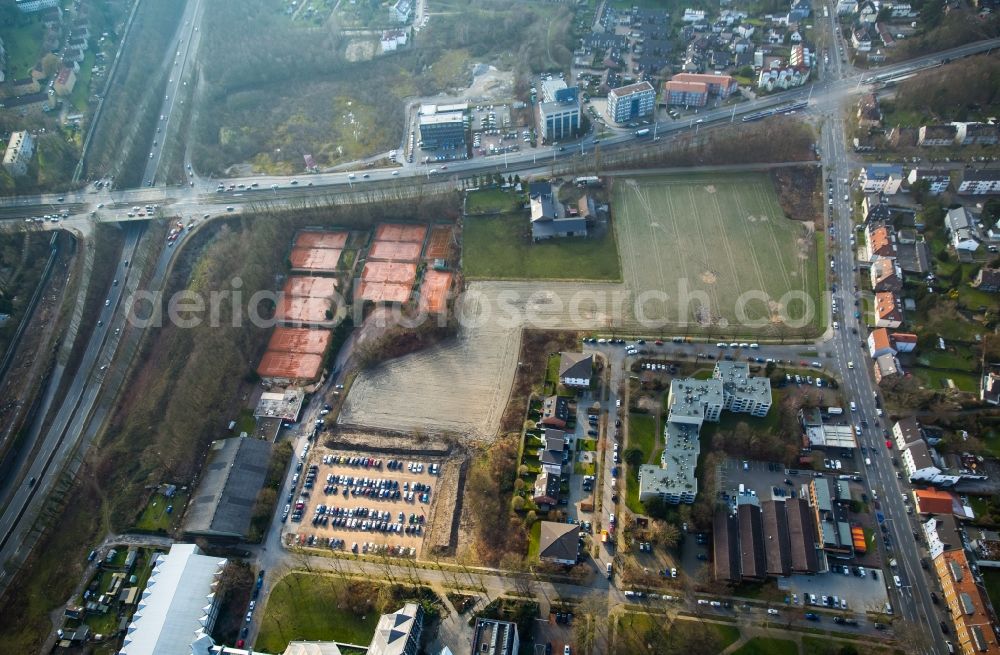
[918, 463]
[392, 40]
[845, 7]
[962, 229]
[494, 637]
[553, 454]
[989, 387]
[799, 11]
[65, 82]
[869, 112]
[881, 178]
[693, 15]
[979, 182]
[546, 222]
[555, 412]
[879, 343]
[987, 279]
[401, 10]
[559, 543]
[875, 208]
[886, 367]
[880, 241]
[575, 370]
[782, 78]
[907, 430]
[861, 38]
[888, 310]
[935, 501]
[969, 608]
[904, 342]
[938, 180]
[886, 275]
[981, 134]
[546, 490]
[885, 35]
[867, 12]
[937, 135]
[899, 9]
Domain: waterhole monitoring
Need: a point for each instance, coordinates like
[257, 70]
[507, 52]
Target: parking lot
[363, 504]
[862, 594]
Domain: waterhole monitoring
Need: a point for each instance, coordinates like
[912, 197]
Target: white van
[854, 406]
[742, 489]
[899, 583]
[868, 461]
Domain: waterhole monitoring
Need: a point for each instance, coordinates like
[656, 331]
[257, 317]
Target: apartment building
[20, 148]
[630, 102]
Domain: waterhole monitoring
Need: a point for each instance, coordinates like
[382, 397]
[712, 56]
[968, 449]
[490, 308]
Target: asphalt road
[74, 410]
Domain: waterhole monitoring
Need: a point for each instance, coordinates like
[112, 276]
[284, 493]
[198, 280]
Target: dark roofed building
[801, 536]
[987, 279]
[232, 477]
[559, 543]
[776, 546]
[575, 369]
[753, 564]
[724, 542]
[937, 135]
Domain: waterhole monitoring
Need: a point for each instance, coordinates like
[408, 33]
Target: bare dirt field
[458, 388]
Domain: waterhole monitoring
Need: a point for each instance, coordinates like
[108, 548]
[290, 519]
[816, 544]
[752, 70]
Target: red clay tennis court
[384, 292]
[318, 260]
[299, 340]
[393, 272]
[395, 251]
[300, 309]
[310, 286]
[290, 366]
[434, 292]
[330, 240]
[400, 232]
[387, 281]
[440, 242]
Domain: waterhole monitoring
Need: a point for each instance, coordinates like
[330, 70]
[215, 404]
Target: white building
[631, 102]
[19, 151]
[741, 392]
[178, 607]
[29, 6]
[962, 229]
[881, 178]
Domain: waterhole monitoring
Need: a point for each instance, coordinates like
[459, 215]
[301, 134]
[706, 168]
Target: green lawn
[991, 578]
[635, 629]
[245, 422]
[820, 646]
[500, 248]
[492, 201]
[306, 607]
[586, 444]
[534, 540]
[768, 646]
[641, 435]
[723, 251]
[154, 517]
[23, 43]
[82, 89]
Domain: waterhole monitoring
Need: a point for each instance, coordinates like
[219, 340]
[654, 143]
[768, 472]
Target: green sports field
[714, 254]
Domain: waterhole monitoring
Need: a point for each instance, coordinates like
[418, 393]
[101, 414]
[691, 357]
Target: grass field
[642, 436]
[490, 201]
[498, 248]
[722, 252]
[768, 646]
[307, 607]
[991, 578]
[155, 517]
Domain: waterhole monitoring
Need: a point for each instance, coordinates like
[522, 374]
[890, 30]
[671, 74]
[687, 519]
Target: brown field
[320, 260]
[439, 246]
[401, 232]
[395, 251]
[333, 240]
[434, 292]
